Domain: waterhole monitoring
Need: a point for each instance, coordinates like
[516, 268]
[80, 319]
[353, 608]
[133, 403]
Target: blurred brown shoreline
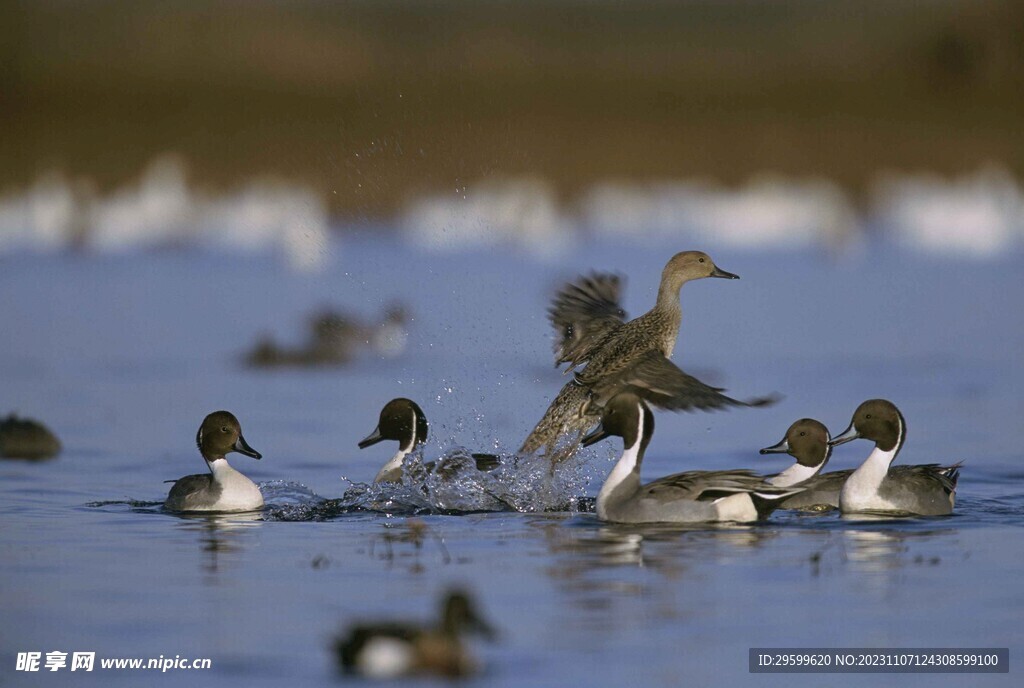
[372, 102]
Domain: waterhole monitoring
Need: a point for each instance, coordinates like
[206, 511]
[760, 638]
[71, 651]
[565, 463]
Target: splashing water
[290, 501]
[453, 484]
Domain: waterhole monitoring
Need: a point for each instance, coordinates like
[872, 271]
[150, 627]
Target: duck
[334, 339]
[807, 441]
[876, 487]
[617, 355]
[27, 438]
[223, 488]
[397, 649]
[691, 497]
[403, 420]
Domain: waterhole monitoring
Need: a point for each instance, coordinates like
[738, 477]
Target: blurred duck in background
[26, 438]
[334, 339]
[394, 649]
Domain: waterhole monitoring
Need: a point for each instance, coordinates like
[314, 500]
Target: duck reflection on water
[886, 551]
[221, 537]
[595, 567]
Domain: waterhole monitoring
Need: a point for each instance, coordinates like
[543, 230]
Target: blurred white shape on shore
[158, 212]
[980, 214]
[768, 212]
[163, 211]
[41, 218]
[269, 213]
[521, 213]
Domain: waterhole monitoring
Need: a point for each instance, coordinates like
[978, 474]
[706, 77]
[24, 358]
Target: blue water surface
[123, 356]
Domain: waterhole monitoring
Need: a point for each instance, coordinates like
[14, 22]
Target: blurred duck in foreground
[690, 497]
[402, 420]
[591, 329]
[25, 438]
[223, 488]
[875, 487]
[391, 650]
[334, 339]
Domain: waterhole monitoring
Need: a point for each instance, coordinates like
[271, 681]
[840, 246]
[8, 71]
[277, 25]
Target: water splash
[453, 484]
[285, 500]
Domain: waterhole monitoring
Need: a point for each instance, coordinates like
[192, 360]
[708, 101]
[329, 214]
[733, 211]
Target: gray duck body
[197, 492]
[689, 497]
[932, 482]
[924, 490]
[821, 493]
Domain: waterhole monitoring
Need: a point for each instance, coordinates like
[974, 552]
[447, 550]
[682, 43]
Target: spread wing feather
[659, 381]
[583, 313]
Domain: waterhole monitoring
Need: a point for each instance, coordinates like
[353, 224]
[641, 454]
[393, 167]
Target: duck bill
[242, 447]
[594, 437]
[780, 448]
[371, 439]
[719, 272]
[849, 435]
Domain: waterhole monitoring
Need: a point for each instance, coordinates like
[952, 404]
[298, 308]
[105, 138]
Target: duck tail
[952, 472]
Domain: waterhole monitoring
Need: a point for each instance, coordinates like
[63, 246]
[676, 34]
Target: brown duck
[621, 355]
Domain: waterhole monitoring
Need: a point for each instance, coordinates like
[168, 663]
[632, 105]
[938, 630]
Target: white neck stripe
[628, 462]
[794, 475]
[395, 463]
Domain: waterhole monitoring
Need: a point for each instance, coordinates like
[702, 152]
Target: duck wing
[920, 476]
[662, 383]
[185, 490]
[708, 485]
[583, 313]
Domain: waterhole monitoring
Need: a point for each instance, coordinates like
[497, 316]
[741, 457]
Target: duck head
[401, 420]
[691, 265]
[877, 420]
[625, 415]
[221, 434]
[807, 441]
[459, 614]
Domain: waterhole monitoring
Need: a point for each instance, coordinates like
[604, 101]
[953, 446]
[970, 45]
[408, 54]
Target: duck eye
[701, 260]
[802, 434]
[868, 415]
[225, 429]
